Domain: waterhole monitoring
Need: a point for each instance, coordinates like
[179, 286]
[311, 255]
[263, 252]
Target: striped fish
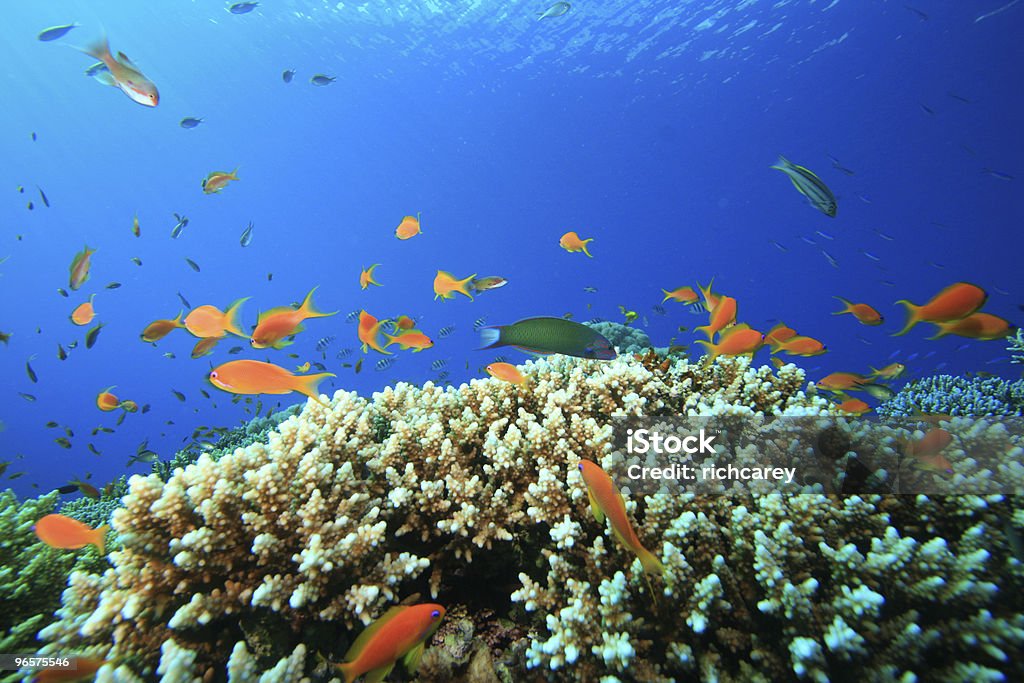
[809, 185]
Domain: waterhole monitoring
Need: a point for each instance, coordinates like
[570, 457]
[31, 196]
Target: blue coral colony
[486, 531]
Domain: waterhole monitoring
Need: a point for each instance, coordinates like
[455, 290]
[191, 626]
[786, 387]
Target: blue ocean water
[649, 126]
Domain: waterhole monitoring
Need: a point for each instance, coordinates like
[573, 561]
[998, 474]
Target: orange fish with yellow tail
[739, 340]
[417, 341]
[800, 346]
[366, 277]
[957, 301]
[890, 371]
[684, 295]
[276, 324]
[106, 401]
[369, 328]
[210, 321]
[572, 242]
[257, 377]
[80, 266]
[722, 315]
[778, 334]
[158, 329]
[216, 181]
[980, 325]
[710, 298]
[58, 531]
[505, 372]
[864, 313]
[606, 501]
[446, 285]
[84, 313]
[400, 633]
[408, 228]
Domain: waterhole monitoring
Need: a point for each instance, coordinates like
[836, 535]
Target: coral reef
[623, 337]
[951, 395]
[265, 563]
[1016, 347]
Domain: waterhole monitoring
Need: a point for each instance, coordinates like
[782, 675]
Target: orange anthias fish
[366, 277]
[210, 321]
[403, 322]
[80, 267]
[216, 181]
[842, 381]
[58, 531]
[408, 228]
[445, 285]
[800, 346]
[506, 372]
[862, 312]
[277, 323]
[369, 328]
[204, 346]
[982, 326]
[158, 329]
[684, 295]
[710, 298]
[738, 340]
[855, 406]
[85, 668]
[605, 500]
[957, 301]
[124, 75]
[106, 401]
[257, 377]
[401, 632]
[84, 313]
[572, 242]
[928, 450]
[779, 334]
[722, 315]
[891, 371]
[417, 341]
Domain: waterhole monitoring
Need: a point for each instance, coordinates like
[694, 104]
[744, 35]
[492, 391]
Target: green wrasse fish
[606, 501]
[809, 185]
[123, 75]
[400, 633]
[549, 335]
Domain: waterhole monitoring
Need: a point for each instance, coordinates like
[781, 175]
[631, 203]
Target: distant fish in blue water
[809, 185]
[184, 301]
[190, 122]
[446, 331]
[384, 363]
[192, 264]
[324, 342]
[243, 7]
[838, 166]
[920, 15]
[287, 75]
[55, 32]
[556, 10]
[246, 238]
[831, 259]
[179, 226]
[322, 79]
[778, 246]
[42, 195]
[997, 174]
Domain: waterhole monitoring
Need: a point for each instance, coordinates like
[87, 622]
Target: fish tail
[99, 538]
[347, 671]
[465, 287]
[845, 303]
[651, 564]
[583, 246]
[913, 313]
[234, 176]
[308, 310]
[308, 385]
[231, 323]
[667, 295]
[706, 329]
[100, 50]
[712, 351]
[941, 332]
[783, 164]
[490, 337]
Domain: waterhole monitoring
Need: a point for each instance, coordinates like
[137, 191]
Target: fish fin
[490, 337]
[411, 660]
[231, 318]
[650, 562]
[536, 352]
[595, 508]
[378, 675]
[99, 538]
[710, 347]
[584, 247]
[106, 78]
[347, 671]
[845, 303]
[307, 308]
[706, 329]
[307, 384]
[941, 332]
[123, 58]
[912, 316]
[281, 343]
[99, 50]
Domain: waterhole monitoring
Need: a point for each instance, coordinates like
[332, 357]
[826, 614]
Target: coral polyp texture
[266, 563]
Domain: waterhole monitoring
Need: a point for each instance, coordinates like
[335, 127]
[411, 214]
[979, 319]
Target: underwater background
[650, 127]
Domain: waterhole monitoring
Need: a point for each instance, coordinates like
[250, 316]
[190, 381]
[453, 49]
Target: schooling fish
[215, 181]
[982, 326]
[79, 270]
[243, 7]
[58, 531]
[366, 277]
[400, 633]
[408, 228]
[276, 324]
[862, 312]
[684, 295]
[369, 328]
[956, 301]
[322, 79]
[572, 242]
[809, 185]
[158, 329]
[190, 122]
[287, 75]
[192, 264]
[246, 238]
[179, 226]
[446, 285]
[91, 336]
[257, 377]
[505, 372]
[556, 10]
[209, 321]
[549, 335]
[55, 32]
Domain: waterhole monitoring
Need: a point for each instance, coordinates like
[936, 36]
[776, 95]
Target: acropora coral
[266, 563]
[953, 395]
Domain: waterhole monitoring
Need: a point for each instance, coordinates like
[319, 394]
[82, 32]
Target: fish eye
[580, 467]
[213, 375]
[435, 614]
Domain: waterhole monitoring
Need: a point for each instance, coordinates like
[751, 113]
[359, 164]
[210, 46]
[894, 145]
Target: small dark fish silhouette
[63, 292]
[114, 285]
[30, 372]
[288, 75]
[90, 336]
[42, 195]
[190, 122]
[192, 264]
[178, 395]
[322, 79]
[243, 7]
[184, 301]
[53, 33]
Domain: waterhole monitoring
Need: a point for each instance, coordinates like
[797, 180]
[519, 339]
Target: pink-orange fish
[80, 266]
[278, 323]
[572, 242]
[257, 377]
[369, 328]
[58, 531]
[446, 285]
[400, 633]
[957, 301]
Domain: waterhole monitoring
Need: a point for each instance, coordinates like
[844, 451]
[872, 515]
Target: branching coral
[949, 395]
[472, 496]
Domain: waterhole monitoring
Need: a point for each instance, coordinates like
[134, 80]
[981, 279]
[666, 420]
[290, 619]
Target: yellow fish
[218, 180]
